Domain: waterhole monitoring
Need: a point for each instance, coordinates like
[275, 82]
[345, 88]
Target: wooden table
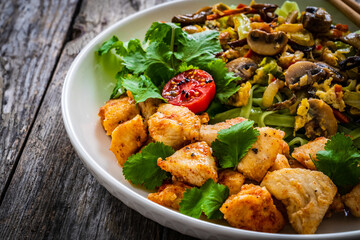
[45, 191]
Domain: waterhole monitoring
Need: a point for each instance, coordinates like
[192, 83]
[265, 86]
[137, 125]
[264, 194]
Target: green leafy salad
[269, 68]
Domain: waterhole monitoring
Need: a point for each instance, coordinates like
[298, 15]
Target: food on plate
[253, 209]
[193, 89]
[306, 194]
[174, 125]
[248, 113]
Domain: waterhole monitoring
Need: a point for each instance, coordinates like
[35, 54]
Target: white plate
[87, 87]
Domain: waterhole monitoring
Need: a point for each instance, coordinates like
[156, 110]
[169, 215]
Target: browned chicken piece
[174, 126]
[204, 118]
[192, 164]
[127, 138]
[280, 162]
[302, 153]
[253, 209]
[149, 107]
[352, 200]
[336, 206]
[169, 194]
[232, 179]
[262, 154]
[117, 111]
[208, 133]
[306, 194]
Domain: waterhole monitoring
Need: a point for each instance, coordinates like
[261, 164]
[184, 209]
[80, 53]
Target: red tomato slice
[193, 89]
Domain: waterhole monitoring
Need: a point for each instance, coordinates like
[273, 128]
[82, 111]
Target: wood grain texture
[32, 34]
[51, 194]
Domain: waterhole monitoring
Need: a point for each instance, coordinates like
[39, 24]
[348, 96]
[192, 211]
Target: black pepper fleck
[193, 154]
[255, 150]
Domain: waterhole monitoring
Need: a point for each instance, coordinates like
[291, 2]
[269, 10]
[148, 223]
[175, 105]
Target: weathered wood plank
[32, 34]
[51, 194]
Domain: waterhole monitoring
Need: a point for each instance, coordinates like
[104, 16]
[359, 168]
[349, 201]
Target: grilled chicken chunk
[169, 194]
[262, 154]
[352, 200]
[302, 153]
[232, 179]
[306, 194]
[117, 111]
[192, 164]
[280, 162]
[127, 138]
[208, 133]
[253, 209]
[174, 126]
[149, 107]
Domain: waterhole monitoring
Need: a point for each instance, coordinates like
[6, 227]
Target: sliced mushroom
[266, 11]
[267, 44]
[190, 19]
[295, 46]
[323, 121]
[332, 72]
[302, 74]
[316, 20]
[242, 67]
[349, 63]
[353, 39]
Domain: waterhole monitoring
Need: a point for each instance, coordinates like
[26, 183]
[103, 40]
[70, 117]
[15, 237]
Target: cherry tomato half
[193, 89]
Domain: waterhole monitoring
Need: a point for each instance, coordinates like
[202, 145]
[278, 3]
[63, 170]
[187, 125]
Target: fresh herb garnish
[207, 199]
[233, 143]
[340, 161]
[167, 51]
[142, 168]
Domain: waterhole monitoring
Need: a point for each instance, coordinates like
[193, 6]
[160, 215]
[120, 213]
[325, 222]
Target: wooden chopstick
[354, 5]
[349, 12]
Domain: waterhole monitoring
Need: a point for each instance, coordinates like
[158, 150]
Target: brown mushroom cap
[353, 39]
[316, 20]
[332, 72]
[267, 44]
[323, 123]
[303, 73]
[242, 67]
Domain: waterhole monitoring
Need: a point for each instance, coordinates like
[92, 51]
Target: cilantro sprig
[340, 161]
[165, 52]
[207, 199]
[142, 168]
[233, 143]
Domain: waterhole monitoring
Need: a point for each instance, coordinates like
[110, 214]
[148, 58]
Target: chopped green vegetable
[242, 25]
[142, 168]
[267, 65]
[340, 161]
[207, 199]
[287, 8]
[233, 143]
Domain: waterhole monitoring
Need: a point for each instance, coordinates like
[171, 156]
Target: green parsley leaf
[142, 168]
[199, 49]
[110, 44]
[140, 87]
[135, 60]
[225, 81]
[207, 199]
[340, 161]
[233, 143]
[168, 33]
